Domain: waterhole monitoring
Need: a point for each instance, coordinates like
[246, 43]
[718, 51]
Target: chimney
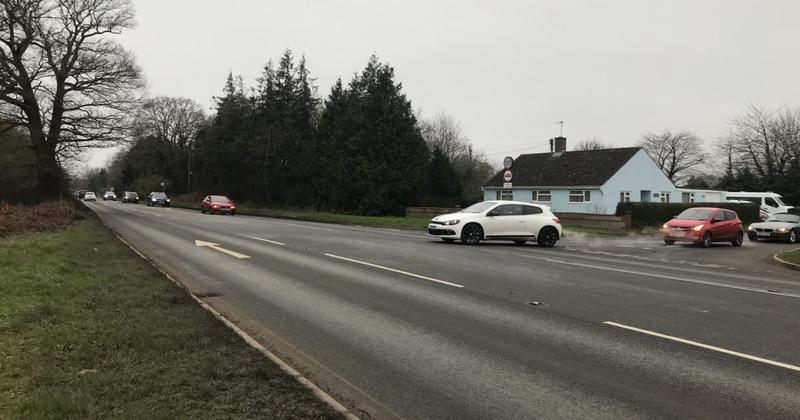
[551, 145]
[560, 144]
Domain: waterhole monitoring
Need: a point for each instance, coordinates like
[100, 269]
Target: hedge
[655, 214]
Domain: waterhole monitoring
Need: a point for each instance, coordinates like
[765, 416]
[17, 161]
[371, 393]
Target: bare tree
[173, 120]
[675, 153]
[64, 79]
[764, 140]
[591, 143]
[444, 131]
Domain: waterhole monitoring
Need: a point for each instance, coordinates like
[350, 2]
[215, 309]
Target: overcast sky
[507, 70]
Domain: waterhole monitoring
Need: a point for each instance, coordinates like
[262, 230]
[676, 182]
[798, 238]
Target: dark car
[157, 199]
[704, 225]
[130, 197]
[218, 204]
[781, 226]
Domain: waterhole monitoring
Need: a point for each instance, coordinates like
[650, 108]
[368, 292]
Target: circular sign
[507, 176]
[508, 162]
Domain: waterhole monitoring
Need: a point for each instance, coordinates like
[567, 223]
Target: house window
[665, 197]
[580, 196]
[624, 196]
[505, 195]
[541, 196]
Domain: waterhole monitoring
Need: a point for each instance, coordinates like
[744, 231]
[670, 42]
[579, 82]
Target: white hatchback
[499, 220]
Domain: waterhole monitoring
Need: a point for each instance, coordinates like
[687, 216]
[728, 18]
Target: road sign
[508, 162]
[507, 176]
[506, 185]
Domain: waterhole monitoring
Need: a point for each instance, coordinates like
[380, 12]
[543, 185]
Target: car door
[732, 224]
[534, 219]
[505, 220]
[206, 204]
[717, 228]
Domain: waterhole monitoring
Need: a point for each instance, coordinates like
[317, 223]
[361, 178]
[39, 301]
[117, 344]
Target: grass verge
[419, 223]
[791, 256]
[90, 330]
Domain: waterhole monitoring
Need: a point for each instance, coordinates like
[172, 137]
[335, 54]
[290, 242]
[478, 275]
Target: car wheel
[738, 240]
[448, 240]
[471, 234]
[793, 237]
[202, 210]
[548, 237]
[669, 242]
[520, 241]
[706, 240]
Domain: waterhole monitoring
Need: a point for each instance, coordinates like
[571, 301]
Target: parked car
[79, 194]
[499, 220]
[769, 203]
[217, 204]
[89, 196]
[783, 226]
[157, 199]
[109, 195]
[703, 226]
[130, 197]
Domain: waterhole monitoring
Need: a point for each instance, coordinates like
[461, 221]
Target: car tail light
[557, 220]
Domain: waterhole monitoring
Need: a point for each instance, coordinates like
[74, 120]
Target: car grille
[765, 230]
[441, 232]
[678, 229]
[433, 222]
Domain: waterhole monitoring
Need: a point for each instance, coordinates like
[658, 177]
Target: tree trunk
[49, 175]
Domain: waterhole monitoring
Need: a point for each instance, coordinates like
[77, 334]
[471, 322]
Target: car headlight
[697, 228]
[750, 228]
[152, 199]
[451, 222]
[665, 226]
[782, 230]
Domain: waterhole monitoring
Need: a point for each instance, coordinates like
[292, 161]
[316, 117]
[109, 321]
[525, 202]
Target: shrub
[42, 217]
[654, 214]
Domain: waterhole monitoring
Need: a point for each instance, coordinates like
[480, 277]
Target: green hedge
[655, 214]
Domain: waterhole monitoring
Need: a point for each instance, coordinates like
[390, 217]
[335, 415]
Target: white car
[89, 196]
[109, 195]
[499, 220]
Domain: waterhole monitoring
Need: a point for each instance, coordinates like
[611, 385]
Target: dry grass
[44, 217]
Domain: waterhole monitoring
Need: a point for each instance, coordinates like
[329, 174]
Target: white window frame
[505, 195]
[624, 196]
[585, 196]
[536, 195]
[665, 197]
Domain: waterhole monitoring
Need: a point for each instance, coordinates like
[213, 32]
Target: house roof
[567, 169]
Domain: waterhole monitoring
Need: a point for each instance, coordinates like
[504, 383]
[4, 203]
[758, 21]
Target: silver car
[781, 226]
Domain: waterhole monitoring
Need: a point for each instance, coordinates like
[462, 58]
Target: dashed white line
[706, 346]
[264, 240]
[447, 283]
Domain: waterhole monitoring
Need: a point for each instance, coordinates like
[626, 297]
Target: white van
[768, 202]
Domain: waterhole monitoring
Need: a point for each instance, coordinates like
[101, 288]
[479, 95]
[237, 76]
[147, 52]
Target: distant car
[703, 226]
[109, 195]
[781, 226]
[89, 196]
[79, 194]
[130, 197]
[499, 220]
[157, 199]
[218, 204]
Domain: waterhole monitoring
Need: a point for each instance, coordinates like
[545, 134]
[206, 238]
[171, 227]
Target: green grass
[325, 217]
[90, 330]
[791, 256]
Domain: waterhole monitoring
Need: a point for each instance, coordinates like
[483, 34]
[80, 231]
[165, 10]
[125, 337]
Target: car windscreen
[220, 198]
[694, 214]
[478, 207]
[790, 218]
[159, 195]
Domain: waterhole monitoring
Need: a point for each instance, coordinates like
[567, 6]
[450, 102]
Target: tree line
[360, 150]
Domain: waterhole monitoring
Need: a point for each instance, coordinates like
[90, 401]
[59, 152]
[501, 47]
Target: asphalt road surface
[400, 325]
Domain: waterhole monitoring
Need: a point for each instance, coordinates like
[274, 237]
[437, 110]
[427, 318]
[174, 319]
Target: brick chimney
[560, 144]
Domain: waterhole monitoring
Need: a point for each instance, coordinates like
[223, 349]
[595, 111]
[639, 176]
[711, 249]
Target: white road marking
[395, 271]
[706, 346]
[667, 277]
[223, 250]
[264, 240]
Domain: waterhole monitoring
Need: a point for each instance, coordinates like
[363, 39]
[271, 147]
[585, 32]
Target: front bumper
[774, 235]
[694, 236]
[444, 231]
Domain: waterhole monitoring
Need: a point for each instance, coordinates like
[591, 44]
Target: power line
[529, 148]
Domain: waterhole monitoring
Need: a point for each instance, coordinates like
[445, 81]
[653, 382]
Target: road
[400, 325]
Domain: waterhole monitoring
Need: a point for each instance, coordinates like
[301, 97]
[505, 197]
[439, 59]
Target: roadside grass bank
[90, 330]
[415, 223]
[791, 256]
[44, 217]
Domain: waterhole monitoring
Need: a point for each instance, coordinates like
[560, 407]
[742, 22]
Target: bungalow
[590, 181]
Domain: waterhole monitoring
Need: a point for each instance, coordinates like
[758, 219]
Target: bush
[43, 217]
[654, 214]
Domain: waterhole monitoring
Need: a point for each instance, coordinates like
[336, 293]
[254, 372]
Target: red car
[704, 225]
[218, 204]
